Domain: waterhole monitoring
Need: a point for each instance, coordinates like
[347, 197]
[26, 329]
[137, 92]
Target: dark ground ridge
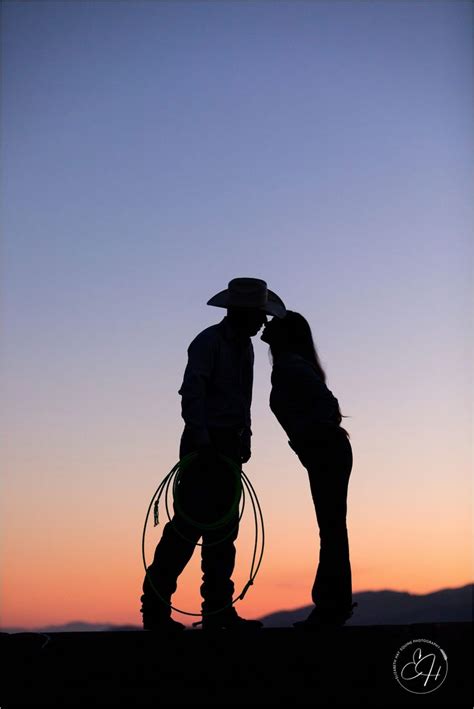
[351, 665]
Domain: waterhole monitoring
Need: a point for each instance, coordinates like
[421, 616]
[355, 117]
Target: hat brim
[274, 305]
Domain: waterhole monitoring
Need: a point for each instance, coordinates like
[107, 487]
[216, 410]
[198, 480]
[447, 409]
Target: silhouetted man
[216, 398]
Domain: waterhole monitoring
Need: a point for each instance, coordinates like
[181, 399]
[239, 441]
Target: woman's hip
[331, 451]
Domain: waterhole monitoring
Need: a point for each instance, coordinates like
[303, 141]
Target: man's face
[248, 321]
[267, 331]
[256, 320]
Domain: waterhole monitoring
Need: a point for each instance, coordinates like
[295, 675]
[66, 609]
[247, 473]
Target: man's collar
[227, 329]
[229, 332]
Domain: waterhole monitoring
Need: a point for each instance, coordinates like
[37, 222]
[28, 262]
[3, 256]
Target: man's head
[249, 294]
[246, 321]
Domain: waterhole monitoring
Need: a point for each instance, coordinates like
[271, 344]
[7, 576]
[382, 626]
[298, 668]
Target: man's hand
[245, 455]
[208, 456]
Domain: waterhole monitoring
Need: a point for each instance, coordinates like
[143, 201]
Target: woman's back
[300, 399]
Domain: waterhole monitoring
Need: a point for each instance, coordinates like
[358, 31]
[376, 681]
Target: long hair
[295, 336]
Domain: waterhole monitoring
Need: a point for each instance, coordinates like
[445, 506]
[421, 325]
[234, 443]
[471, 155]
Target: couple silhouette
[216, 401]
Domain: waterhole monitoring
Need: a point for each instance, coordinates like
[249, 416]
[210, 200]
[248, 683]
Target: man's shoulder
[207, 336]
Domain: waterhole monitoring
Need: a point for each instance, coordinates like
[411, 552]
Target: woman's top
[300, 400]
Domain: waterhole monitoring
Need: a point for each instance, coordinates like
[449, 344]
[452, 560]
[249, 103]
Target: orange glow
[81, 560]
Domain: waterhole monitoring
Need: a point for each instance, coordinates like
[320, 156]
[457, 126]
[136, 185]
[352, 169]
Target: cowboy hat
[249, 293]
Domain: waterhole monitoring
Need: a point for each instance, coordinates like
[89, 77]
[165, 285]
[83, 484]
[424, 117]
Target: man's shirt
[217, 384]
[299, 398]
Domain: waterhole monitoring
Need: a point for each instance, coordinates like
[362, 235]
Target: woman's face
[271, 331]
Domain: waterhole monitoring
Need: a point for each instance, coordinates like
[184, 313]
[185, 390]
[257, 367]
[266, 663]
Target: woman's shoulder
[293, 359]
[293, 365]
[285, 359]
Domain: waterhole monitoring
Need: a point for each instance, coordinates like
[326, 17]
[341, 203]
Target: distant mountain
[75, 626]
[375, 608]
[394, 608]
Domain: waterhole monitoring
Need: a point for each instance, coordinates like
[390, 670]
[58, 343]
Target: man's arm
[246, 435]
[197, 375]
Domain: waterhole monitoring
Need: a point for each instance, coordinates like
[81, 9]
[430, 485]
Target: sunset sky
[152, 151]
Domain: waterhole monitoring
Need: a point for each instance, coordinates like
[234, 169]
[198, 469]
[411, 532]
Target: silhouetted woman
[311, 418]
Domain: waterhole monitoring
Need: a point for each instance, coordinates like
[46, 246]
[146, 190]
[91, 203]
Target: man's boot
[228, 619]
[156, 610]
[157, 616]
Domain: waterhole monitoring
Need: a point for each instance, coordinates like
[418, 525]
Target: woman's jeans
[328, 460]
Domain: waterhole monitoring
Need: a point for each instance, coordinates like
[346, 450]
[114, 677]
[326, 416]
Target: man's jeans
[328, 460]
[204, 495]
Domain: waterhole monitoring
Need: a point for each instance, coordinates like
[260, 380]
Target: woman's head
[292, 334]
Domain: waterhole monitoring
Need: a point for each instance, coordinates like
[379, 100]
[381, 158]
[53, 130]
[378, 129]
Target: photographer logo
[420, 666]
